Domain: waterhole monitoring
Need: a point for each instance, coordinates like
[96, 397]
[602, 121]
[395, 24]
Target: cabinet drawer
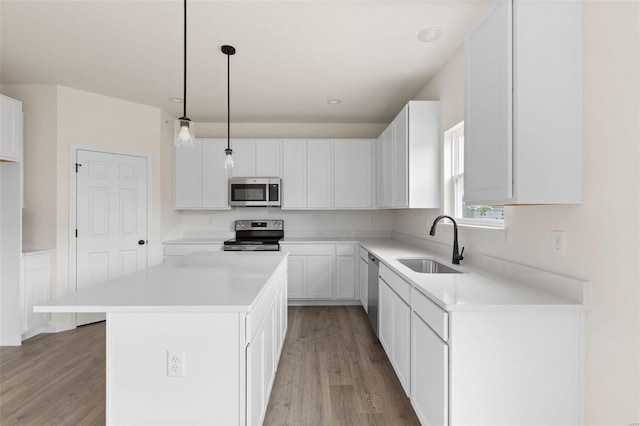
[345, 250]
[398, 285]
[364, 255]
[182, 249]
[309, 249]
[432, 314]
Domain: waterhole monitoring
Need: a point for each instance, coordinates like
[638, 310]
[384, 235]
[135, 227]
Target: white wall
[603, 232]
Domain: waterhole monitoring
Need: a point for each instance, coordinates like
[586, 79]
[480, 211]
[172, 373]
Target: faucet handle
[460, 257]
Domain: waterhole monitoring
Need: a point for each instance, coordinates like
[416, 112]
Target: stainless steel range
[256, 235]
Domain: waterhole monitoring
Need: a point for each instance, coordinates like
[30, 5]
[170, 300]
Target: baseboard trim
[58, 327]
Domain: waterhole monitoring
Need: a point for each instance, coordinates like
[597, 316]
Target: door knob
[141, 242]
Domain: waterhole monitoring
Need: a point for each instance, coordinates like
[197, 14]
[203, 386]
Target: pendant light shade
[184, 128]
[228, 153]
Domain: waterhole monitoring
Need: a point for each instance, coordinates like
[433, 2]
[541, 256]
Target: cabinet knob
[141, 242]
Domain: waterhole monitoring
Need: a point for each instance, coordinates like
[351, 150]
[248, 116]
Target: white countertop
[199, 282]
[474, 289]
[195, 241]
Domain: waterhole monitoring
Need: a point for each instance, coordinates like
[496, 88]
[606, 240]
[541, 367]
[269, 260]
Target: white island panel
[139, 389]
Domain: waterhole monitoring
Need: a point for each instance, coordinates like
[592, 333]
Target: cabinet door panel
[244, 157]
[385, 317]
[188, 176]
[268, 158]
[10, 128]
[401, 340]
[297, 277]
[255, 378]
[319, 277]
[429, 374]
[269, 353]
[294, 174]
[400, 159]
[319, 187]
[488, 107]
[346, 277]
[352, 173]
[387, 166]
[215, 178]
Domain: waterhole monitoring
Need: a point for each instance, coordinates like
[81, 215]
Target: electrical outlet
[212, 221]
[314, 221]
[558, 242]
[176, 364]
[372, 221]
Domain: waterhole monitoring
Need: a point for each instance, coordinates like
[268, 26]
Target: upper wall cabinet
[320, 174]
[256, 158]
[201, 181]
[10, 129]
[353, 162]
[409, 158]
[523, 104]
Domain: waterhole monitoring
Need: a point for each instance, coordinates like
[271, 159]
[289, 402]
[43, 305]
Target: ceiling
[292, 56]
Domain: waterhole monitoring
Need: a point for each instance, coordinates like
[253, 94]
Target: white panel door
[268, 158]
[488, 107]
[319, 171]
[215, 178]
[319, 277]
[297, 277]
[352, 173]
[429, 374]
[294, 174]
[10, 128]
[401, 159]
[244, 157]
[345, 277]
[111, 219]
[188, 176]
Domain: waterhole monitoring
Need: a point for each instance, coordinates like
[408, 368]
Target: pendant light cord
[228, 102]
[184, 98]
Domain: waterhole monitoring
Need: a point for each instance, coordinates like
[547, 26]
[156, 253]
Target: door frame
[73, 212]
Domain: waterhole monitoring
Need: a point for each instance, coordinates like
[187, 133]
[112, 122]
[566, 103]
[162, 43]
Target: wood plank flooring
[332, 372]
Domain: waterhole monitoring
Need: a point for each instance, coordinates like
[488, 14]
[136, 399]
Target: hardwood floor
[332, 372]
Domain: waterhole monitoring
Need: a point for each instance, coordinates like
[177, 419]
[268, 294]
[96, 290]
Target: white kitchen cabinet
[36, 289]
[319, 277]
[215, 178]
[200, 179]
[523, 104]
[409, 158]
[346, 277]
[256, 157]
[353, 161]
[322, 271]
[10, 129]
[319, 174]
[294, 174]
[429, 373]
[255, 378]
[394, 318]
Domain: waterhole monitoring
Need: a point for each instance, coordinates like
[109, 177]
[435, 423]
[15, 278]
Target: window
[454, 185]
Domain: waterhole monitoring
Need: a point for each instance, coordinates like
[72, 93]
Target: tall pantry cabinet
[10, 220]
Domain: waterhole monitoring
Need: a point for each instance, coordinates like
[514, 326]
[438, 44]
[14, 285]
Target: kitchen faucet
[457, 257]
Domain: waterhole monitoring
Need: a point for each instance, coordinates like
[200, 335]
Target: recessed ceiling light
[175, 100]
[430, 34]
[334, 101]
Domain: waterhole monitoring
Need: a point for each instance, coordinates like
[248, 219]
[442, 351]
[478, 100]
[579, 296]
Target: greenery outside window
[474, 215]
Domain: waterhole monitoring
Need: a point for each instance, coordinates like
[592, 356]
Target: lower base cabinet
[36, 289]
[322, 272]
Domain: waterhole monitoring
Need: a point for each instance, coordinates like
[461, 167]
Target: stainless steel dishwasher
[373, 292]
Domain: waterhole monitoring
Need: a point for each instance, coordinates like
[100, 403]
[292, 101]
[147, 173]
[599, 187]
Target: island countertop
[200, 282]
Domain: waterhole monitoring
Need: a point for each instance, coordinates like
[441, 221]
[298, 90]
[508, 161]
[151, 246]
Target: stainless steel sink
[427, 266]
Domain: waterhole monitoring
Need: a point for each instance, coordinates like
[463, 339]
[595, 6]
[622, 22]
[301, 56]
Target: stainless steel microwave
[254, 192]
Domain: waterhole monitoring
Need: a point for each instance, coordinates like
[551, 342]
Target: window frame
[452, 175]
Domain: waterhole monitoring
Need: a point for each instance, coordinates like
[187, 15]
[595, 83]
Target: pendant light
[184, 128]
[228, 160]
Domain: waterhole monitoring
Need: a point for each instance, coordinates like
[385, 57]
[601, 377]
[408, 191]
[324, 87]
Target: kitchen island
[192, 341]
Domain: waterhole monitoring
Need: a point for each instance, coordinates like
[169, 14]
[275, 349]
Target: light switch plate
[558, 242]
